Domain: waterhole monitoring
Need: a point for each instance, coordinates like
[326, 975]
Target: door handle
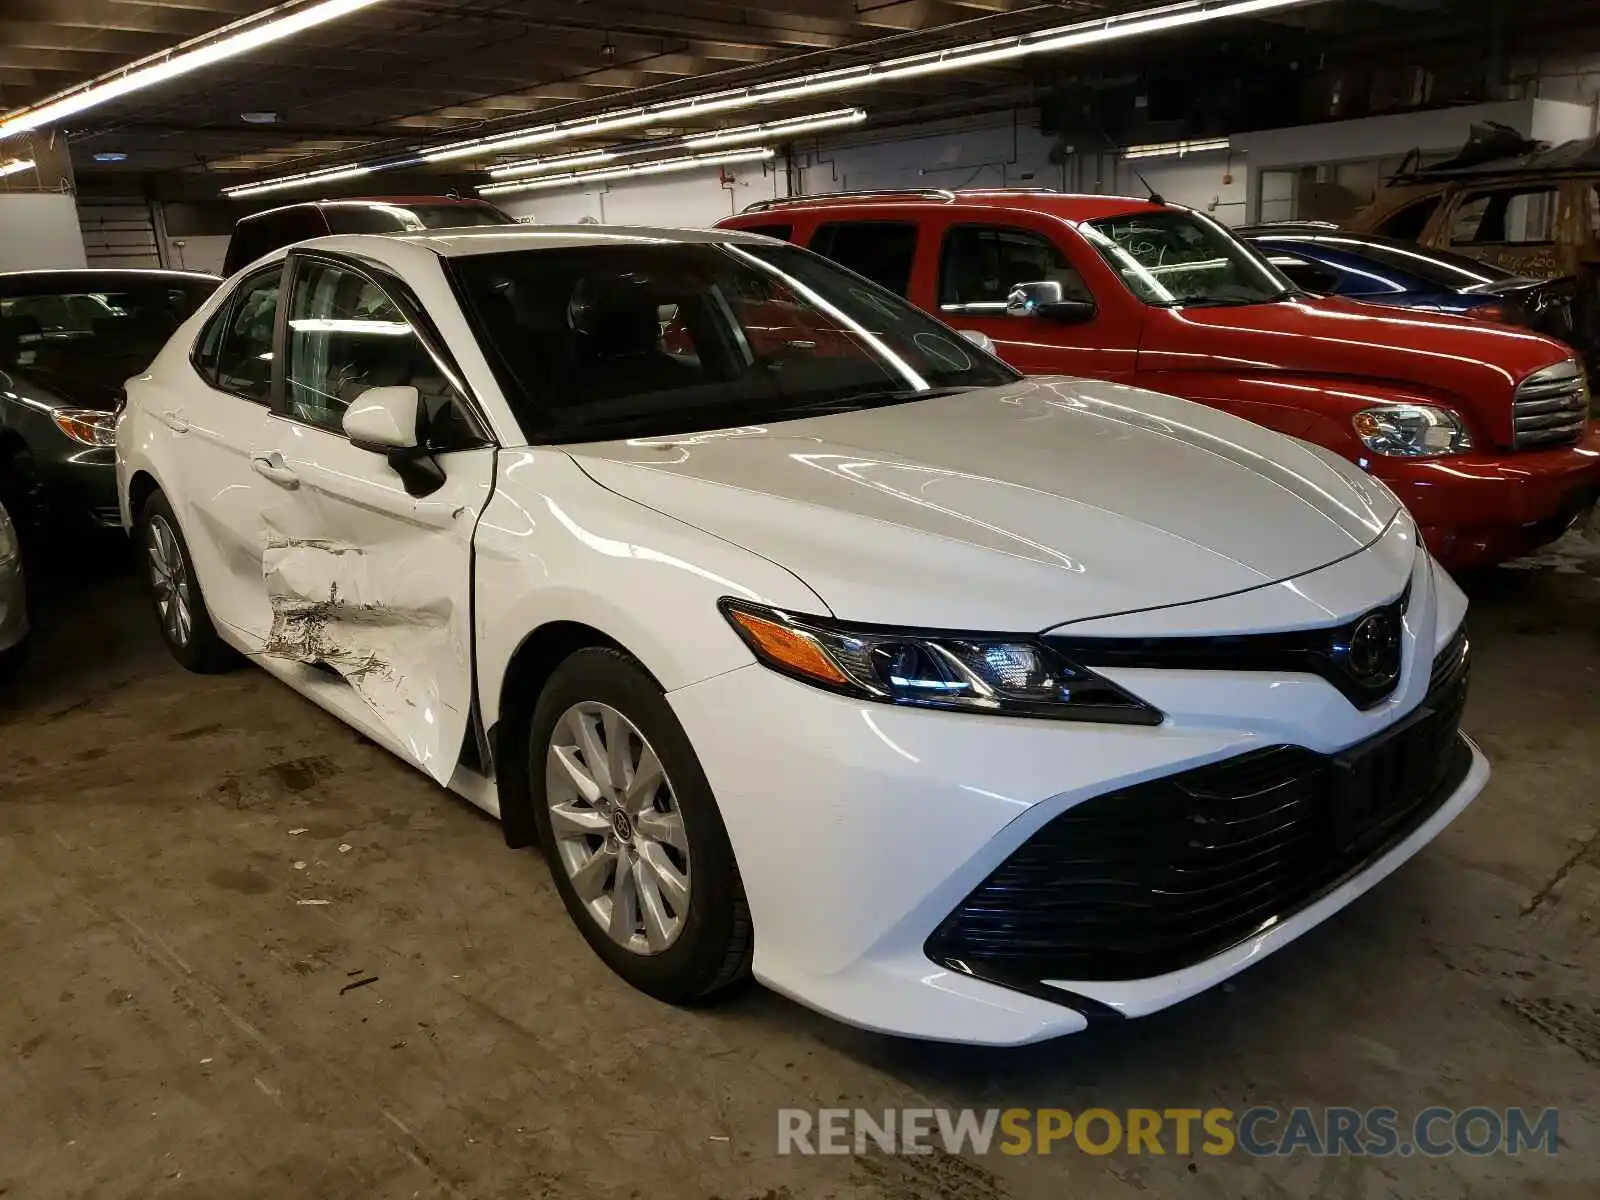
[175, 421]
[269, 465]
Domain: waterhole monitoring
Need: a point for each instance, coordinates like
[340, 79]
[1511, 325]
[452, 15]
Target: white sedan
[807, 639]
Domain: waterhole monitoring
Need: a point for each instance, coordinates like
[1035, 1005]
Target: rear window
[96, 334]
[883, 251]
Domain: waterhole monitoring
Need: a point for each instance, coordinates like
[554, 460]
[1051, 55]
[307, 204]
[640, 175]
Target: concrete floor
[195, 871]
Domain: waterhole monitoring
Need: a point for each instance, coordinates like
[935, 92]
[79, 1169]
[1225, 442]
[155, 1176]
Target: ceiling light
[791, 127]
[244, 191]
[535, 165]
[1177, 15]
[241, 37]
[109, 156]
[259, 118]
[664, 166]
[12, 166]
[1175, 149]
[1084, 33]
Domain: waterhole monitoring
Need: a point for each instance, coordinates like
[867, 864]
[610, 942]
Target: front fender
[1315, 408]
[553, 545]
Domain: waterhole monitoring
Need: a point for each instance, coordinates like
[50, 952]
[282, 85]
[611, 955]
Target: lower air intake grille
[1159, 876]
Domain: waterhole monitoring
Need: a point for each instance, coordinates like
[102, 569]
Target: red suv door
[980, 255]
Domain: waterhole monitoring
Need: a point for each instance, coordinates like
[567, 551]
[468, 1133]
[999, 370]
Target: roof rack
[944, 194]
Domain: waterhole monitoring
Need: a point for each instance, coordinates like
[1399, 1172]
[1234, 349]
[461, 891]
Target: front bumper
[80, 484]
[1479, 509]
[859, 828]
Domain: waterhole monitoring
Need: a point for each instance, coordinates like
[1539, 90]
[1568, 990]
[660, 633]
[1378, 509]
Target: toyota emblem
[1374, 652]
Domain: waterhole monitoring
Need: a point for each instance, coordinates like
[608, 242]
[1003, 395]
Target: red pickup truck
[1482, 429]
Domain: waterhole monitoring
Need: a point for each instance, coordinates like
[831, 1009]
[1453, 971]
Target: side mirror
[979, 339]
[1047, 298]
[382, 419]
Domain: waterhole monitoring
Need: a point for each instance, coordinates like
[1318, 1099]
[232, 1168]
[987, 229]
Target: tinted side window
[251, 239]
[1409, 222]
[784, 233]
[883, 251]
[347, 335]
[206, 346]
[1505, 216]
[982, 263]
[244, 352]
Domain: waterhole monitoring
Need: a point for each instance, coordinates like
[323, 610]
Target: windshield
[95, 334]
[1437, 268]
[1176, 257]
[643, 339]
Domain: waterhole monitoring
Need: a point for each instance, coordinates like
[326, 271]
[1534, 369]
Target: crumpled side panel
[383, 617]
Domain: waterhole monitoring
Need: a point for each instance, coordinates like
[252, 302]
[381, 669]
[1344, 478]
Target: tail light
[1490, 312]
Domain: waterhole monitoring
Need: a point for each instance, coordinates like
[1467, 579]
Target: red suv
[1482, 429]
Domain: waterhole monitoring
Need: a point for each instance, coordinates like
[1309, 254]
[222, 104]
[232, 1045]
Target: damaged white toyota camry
[807, 639]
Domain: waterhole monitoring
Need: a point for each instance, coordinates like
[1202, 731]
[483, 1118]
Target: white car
[807, 639]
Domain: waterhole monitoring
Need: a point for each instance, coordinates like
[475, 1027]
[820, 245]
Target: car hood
[1476, 364]
[1013, 508]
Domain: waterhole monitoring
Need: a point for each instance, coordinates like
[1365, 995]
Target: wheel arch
[141, 487]
[527, 671]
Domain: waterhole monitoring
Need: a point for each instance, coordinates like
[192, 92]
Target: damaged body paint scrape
[380, 618]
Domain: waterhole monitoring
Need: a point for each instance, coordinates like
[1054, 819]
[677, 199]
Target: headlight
[1004, 675]
[1411, 431]
[87, 425]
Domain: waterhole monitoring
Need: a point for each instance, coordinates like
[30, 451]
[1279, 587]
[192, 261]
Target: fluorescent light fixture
[791, 127]
[244, 191]
[1175, 149]
[1179, 15]
[110, 156]
[230, 41]
[12, 166]
[663, 166]
[534, 166]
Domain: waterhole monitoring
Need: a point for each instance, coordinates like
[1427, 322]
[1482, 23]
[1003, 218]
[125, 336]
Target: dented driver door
[366, 578]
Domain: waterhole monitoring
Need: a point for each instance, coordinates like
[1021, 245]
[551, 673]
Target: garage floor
[248, 954]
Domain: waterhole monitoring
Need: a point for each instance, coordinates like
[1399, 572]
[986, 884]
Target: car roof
[67, 278]
[1070, 206]
[368, 201]
[500, 239]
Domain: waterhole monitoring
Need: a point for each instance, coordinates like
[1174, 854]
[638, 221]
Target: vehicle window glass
[251, 239]
[883, 251]
[1505, 216]
[347, 335]
[784, 233]
[207, 345]
[981, 264]
[1170, 257]
[602, 341]
[376, 219]
[1408, 223]
[107, 331]
[459, 216]
[244, 353]
[1317, 275]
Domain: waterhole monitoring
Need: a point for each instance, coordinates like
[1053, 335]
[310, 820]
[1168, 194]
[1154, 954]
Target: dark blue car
[1384, 270]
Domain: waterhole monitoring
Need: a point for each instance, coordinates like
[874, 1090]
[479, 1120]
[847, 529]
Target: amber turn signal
[787, 648]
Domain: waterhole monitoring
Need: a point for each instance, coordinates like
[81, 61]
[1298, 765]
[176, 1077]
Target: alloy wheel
[617, 827]
[170, 580]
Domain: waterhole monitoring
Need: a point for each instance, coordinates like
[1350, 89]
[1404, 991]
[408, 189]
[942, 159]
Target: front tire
[632, 833]
[180, 605]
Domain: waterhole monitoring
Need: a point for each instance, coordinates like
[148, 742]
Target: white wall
[692, 199]
[39, 230]
[198, 253]
[990, 150]
[1212, 182]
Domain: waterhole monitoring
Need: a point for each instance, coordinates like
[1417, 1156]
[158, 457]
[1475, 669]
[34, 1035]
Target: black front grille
[1156, 877]
[1550, 412]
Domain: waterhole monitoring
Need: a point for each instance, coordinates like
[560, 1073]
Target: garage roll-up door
[119, 234]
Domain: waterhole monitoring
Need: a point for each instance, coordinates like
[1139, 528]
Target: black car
[68, 340]
[264, 232]
[1386, 270]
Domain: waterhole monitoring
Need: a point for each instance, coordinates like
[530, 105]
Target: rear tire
[632, 833]
[175, 595]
